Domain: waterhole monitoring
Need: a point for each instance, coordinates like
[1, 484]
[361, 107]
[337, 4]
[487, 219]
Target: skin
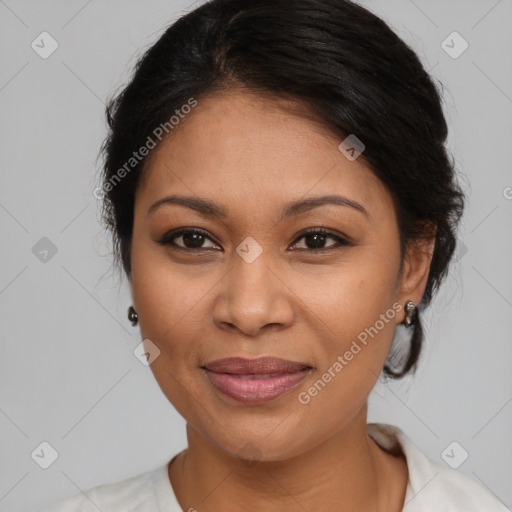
[252, 155]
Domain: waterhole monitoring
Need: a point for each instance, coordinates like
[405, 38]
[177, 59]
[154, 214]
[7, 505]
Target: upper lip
[262, 365]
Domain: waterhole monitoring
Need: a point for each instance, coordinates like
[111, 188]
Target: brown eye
[314, 240]
[191, 239]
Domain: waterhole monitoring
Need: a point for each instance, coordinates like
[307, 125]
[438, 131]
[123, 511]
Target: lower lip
[254, 390]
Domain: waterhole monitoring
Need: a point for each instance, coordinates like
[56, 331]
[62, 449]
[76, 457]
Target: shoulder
[135, 494]
[434, 485]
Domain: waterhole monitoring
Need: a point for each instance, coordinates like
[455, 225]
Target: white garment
[433, 486]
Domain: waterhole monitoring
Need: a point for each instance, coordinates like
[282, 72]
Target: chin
[261, 441]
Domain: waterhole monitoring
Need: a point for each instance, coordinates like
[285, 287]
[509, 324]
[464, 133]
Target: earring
[410, 313]
[132, 316]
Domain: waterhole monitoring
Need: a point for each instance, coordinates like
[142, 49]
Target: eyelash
[172, 235]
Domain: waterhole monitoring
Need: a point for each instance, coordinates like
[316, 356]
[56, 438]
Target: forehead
[243, 147]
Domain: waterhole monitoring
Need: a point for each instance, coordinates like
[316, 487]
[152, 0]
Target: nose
[254, 298]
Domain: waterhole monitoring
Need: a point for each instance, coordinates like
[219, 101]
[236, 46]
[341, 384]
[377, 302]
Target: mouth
[255, 380]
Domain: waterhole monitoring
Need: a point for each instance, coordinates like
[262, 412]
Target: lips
[255, 380]
[261, 366]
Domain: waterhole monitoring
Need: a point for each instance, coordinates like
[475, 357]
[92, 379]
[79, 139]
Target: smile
[255, 381]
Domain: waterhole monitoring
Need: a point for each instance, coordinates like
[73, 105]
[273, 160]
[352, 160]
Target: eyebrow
[210, 209]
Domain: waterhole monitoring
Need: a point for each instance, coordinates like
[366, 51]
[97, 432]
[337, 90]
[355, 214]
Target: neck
[346, 472]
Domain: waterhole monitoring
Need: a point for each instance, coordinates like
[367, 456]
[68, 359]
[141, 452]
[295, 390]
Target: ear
[416, 267]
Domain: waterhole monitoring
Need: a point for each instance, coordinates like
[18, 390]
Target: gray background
[67, 372]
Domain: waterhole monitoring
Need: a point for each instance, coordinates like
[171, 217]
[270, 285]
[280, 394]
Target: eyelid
[168, 238]
[341, 240]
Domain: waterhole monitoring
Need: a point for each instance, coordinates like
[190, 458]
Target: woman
[281, 200]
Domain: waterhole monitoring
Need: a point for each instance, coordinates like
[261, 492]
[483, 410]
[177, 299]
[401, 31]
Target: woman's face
[254, 286]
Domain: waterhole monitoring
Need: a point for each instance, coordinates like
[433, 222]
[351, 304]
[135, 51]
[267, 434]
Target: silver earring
[410, 313]
[132, 316]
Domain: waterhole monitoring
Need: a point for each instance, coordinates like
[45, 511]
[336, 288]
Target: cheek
[167, 303]
[169, 306]
[357, 314]
[353, 295]
[351, 359]
[166, 299]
